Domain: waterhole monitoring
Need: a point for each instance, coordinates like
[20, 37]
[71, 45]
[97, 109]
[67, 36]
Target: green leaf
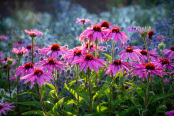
[51, 86]
[101, 91]
[56, 106]
[38, 113]
[120, 100]
[101, 109]
[75, 93]
[138, 90]
[156, 98]
[129, 111]
[2, 95]
[42, 91]
[69, 113]
[108, 56]
[35, 103]
[28, 92]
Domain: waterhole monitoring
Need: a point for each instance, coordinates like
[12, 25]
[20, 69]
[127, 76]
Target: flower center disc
[38, 72]
[77, 52]
[0, 107]
[51, 61]
[150, 66]
[55, 47]
[164, 61]
[89, 57]
[115, 30]
[83, 20]
[28, 65]
[29, 47]
[129, 49]
[151, 33]
[90, 45]
[97, 28]
[172, 48]
[20, 41]
[117, 62]
[143, 52]
[105, 24]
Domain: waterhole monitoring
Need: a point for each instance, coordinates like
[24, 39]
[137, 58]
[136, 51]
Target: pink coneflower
[160, 38]
[129, 53]
[152, 55]
[144, 31]
[105, 24]
[1, 54]
[91, 62]
[92, 33]
[166, 80]
[25, 69]
[3, 37]
[83, 21]
[170, 113]
[29, 46]
[39, 75]
[169, 53]
[20, 51]
[33, 33]
[117, 66]
[5, 107]
[133, 29]
[143, 69]
[54, 50]
[150, 34]
[50, 64]
[165, 63]
[84, 48]
[18, 44]
[13, 78]
[73, 56]
[116, 35]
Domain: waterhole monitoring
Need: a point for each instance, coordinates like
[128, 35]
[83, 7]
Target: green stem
[147, 50]
[8, 70]
[90, 106]
[147, 91]
[89, 44]
[110, 94]
[83, 27]
[55, 84]
[162, 85]
[32, 49]
[77, 86]
[18, 82]
[112, 56]
[97, 79]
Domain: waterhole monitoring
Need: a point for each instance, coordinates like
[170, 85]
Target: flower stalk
[18, 81]
[90, 97]
[32, 49]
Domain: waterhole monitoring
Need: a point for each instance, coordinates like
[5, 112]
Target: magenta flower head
[50, 64]
[91, 62]
[39, 75]
[92, 33]
[3, 37]
[143, 69]
[84, 48]
[54, 50]
[166, 63]
[133, 29]
[169, 52]
[13, 78]
[5, 107]
[130, 53]
[170, 113]
[153, 56]
[18, 44]
[117, 66]
[33, 33]
[83, 21]
[116, 35]
[24, 69]
[73, 56]
[20, 51]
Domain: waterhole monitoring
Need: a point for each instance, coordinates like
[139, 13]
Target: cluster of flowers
[143, 62]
